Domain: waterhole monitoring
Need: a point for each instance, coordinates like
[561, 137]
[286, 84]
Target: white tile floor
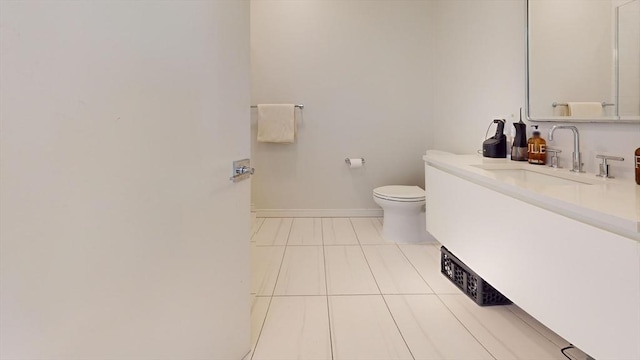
[334, 289]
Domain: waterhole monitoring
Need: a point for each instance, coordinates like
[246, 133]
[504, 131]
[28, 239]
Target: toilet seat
[400, 193]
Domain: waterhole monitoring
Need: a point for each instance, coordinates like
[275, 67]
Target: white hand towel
[276, 123]
[593, 109]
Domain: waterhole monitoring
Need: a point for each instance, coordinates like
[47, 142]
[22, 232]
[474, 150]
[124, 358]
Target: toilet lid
[400, 193]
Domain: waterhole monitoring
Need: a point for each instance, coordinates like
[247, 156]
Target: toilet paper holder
[348, 161]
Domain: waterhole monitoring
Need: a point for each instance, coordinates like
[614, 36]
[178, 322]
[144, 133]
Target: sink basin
[533, 177]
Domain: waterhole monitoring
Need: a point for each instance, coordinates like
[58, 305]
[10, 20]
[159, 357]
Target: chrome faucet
[577, 158]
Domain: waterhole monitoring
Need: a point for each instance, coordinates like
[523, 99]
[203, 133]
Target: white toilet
[404, 213]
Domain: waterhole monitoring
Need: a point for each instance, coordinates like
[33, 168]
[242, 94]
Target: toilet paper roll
[355, 163]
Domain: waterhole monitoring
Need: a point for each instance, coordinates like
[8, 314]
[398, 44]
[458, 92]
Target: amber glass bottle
[537, 153]
[637, 157]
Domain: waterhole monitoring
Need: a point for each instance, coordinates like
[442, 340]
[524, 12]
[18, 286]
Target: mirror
[583, 51]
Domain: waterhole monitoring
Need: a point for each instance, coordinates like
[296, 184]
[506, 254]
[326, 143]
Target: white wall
[116, 228]
[479, 74]
[363, 70]
[479, 70]
[375, 77]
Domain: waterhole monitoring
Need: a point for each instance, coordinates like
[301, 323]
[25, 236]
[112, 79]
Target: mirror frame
[564, 119]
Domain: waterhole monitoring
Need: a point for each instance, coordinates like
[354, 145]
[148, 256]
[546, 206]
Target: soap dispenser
[536, 145]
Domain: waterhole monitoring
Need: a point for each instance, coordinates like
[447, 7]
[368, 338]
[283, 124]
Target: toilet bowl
[404, 214]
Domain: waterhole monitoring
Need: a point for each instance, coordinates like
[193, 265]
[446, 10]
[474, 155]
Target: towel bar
[348, 161]
[299, 106]
[565, 104]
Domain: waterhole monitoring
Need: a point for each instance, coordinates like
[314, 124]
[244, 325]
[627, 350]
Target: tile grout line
[359, 294]
[465, 327]
[330, 295]
[478, 340]
[326, 286]
[250, 355]
[258, 229]
[462, 324]
[382, 296]
[288, 234]
[414, 268]
[536, 330]
[266, 315]
[332, 245]
[284, 255]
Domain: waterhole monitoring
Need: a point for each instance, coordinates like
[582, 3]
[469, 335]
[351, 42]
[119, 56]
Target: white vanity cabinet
[537, 248]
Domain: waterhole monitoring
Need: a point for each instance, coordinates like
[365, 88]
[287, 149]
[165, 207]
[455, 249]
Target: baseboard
[293, 213]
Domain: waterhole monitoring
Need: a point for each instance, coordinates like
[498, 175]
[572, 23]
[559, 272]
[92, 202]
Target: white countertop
[609, 204]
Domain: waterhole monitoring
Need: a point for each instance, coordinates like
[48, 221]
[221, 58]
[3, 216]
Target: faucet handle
[604, 166]
[607, 157]
[554, 163]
